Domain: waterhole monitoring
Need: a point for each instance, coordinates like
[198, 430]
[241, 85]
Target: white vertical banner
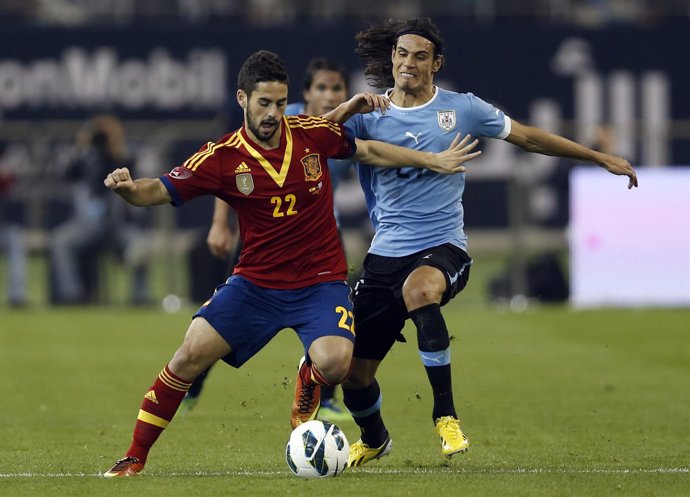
[622, 116]
[656, 118]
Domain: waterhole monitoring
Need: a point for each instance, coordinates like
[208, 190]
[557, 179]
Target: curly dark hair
[259, 67]
[374, 45]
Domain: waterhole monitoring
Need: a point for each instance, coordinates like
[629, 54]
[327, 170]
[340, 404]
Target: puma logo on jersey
[414, 137]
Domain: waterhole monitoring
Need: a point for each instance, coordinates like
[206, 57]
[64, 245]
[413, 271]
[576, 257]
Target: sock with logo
[365, 407]
[157, 410]
[434, 349]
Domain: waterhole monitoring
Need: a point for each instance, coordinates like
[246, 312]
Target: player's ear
[242, 98]
[438, 64]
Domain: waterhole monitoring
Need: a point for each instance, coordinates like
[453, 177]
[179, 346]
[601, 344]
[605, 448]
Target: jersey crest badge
[446, 119]
[312, 167]
[245, 183]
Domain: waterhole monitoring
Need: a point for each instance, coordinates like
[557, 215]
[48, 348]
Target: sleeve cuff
[176, 199]
[506, 128]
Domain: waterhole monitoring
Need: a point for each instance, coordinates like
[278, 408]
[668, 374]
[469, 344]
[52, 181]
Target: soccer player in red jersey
[292, 270]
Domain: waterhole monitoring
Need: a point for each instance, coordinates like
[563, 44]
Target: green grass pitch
[555, 402]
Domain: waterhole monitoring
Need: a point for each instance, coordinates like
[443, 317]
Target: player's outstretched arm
[141, 192]
[450, 161]
[533, 139]
[220, 239]
[362, 103]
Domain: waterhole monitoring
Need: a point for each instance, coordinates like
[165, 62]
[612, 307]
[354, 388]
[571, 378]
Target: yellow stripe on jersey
[173, 383]
[296, 120]
[278, 176]
[152, 419]
[335, 130]
[198, 154]
[195, 160]
[313, 122]
[307, 119]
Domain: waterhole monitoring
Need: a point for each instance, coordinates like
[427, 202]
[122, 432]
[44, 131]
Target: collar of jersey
[393, 106]
[278, 176]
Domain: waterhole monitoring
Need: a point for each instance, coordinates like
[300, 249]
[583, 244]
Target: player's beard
[261, 134]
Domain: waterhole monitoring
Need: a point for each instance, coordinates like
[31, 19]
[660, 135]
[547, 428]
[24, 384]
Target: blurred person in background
[12, 240]
[325, 86]
[96, 222]
[418, 261]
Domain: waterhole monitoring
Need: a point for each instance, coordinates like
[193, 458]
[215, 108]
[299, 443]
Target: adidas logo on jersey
[242, 168]
[151, 395]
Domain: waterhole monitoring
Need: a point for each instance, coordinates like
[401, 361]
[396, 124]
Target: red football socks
[157, 410]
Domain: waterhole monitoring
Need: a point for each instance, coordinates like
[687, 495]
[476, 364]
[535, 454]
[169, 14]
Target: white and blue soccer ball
[317, 449]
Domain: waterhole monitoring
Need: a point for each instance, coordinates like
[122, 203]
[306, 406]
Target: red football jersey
[283, 198]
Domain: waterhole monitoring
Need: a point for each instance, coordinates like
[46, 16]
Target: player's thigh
[246, 316]
[324, 321]
[202, 347]
[454, 264]
[379, 320]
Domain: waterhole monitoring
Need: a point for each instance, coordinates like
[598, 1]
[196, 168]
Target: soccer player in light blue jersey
[418, 258]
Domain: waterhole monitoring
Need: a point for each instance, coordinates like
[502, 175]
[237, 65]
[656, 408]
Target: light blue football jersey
[414, 209]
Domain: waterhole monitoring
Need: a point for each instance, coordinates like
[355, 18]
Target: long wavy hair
[374, 46]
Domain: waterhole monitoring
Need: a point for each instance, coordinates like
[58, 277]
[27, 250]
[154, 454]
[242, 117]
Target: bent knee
[334, 369]
[424, 286]
[333, 364]
[420, 294]
[188, 362]
[202, 347]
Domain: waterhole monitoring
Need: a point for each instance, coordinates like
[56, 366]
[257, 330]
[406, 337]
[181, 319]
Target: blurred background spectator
[12, 241]
[97, 221]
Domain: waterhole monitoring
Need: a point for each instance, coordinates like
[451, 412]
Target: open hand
[363, 103]
[460, 151]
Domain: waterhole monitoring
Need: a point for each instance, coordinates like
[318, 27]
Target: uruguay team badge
[446, 119]
[245, 183]
[312, 167]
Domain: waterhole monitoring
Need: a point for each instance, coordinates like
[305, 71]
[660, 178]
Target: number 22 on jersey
[346, 315]
[284, 206]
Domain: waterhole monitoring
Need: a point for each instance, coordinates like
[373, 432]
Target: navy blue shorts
[248, 316]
